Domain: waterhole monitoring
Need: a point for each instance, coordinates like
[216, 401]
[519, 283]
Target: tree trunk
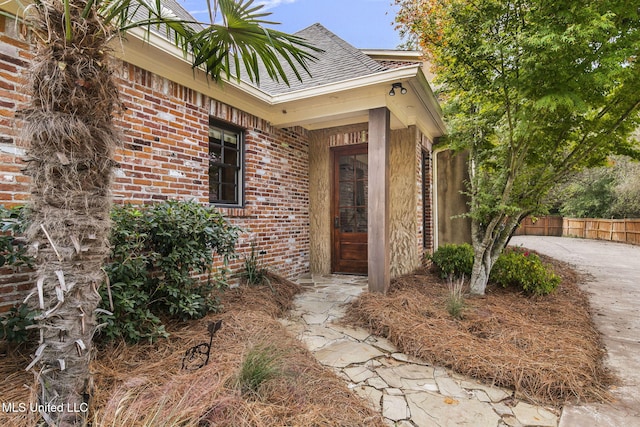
[482, 265]
[488, 243]
[71, 140]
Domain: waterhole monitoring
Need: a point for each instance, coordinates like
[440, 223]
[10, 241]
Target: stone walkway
[405, 390]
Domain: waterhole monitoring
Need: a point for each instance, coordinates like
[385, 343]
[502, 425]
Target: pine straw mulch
[144, 385]
[546, 349]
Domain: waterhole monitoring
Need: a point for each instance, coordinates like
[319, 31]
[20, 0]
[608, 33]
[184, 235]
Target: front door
[349, 209]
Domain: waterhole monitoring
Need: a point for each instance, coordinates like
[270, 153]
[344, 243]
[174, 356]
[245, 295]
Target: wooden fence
[616, 230]
[543, 226]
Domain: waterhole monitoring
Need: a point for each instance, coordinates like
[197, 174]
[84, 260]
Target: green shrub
[130, 290]
[453, 260]
[13, 252]
[516, 267]
[158, 250]
[13, 325]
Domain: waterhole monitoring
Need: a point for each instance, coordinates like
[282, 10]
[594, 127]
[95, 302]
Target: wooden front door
[349, 209]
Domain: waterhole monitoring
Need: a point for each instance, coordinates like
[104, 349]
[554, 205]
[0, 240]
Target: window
[225, 166]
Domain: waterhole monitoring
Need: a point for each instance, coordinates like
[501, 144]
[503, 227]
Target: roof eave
[349, 101]
[360, 93]
[387, 76]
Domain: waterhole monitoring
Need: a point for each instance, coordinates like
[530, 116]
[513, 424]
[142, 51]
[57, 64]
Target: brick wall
[14, 60]
[165, 156]
[424, 190]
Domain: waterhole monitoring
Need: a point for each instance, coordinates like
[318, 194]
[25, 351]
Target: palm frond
[245, 37]
[147, 14]
[241, 41]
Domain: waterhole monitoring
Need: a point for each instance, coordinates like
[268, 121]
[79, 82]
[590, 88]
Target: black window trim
[226, 126]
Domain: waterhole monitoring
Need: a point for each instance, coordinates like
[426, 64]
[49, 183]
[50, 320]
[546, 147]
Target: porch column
[378, 194]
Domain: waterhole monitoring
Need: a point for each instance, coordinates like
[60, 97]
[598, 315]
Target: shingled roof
[340, 61]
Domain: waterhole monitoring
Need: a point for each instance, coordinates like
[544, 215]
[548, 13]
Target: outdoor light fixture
[395, 86]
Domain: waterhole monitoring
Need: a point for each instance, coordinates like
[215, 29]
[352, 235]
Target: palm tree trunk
[71, 140]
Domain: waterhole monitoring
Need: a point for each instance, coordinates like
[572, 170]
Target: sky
[365, 24]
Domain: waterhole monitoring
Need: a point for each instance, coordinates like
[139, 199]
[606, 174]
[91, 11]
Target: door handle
[336, 222]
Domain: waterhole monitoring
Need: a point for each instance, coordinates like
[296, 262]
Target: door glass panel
[347, 220]
[361, 220]
[352, 197]
[346, 168]
[361, 166]
[346, 193]
[360, 193]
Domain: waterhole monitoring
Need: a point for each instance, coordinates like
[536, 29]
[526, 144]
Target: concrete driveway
[614, 293]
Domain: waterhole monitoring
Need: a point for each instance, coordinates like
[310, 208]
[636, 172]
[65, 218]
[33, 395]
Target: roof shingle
[340, 61]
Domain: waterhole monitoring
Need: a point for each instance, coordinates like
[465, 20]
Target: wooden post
[585, 229]
[379, 258]
[611, 224]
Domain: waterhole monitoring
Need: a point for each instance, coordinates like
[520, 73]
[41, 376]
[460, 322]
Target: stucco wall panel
[403, 200]
[451, 175]
[319, 204]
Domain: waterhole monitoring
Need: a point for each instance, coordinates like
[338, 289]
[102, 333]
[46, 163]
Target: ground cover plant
[257, 375]
[545, 348]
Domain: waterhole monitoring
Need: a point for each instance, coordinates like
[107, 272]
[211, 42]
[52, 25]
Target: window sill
[235, 212]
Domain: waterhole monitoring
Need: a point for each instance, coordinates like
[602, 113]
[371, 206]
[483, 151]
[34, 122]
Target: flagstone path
[407, 391]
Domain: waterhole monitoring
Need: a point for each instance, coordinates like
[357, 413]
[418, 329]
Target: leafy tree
[72, 138]
[611, 191]
[535, 90]
[626, 200]
[589, 194]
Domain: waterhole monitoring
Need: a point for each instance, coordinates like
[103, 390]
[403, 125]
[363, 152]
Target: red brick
[147, 170]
